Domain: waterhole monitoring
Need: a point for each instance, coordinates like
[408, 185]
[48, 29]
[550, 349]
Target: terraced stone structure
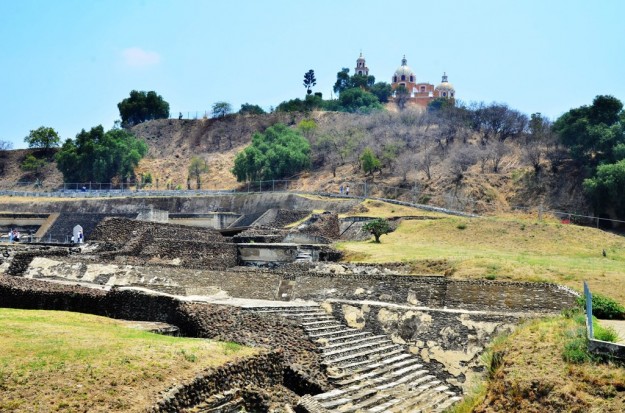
[339, 337]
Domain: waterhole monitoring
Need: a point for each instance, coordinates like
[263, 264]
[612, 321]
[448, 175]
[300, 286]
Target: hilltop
[401, 141]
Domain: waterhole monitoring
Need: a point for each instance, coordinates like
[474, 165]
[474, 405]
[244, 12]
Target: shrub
[604, 307]
[462, 226]
[604, 333]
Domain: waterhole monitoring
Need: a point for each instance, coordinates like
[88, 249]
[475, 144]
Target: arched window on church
[451, 94]
[444, 94]
[411, 79]
[394, 79]
[403, 77]
[422, 89]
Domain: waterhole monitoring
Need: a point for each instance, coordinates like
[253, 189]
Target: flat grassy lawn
[506, 249]
[60, 361]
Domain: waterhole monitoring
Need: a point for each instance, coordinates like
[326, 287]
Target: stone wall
[325, 225]
[262, 371]
[301, 281]
[138, 242]
[22, 259]
[223, 323]
[433, 291]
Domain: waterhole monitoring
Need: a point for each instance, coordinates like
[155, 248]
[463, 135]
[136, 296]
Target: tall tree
[342, 81]
[142, 106]
[279, 152]
[382, 91]
[593, 132]
[43, 138]
[221, 109]
[197, 167]
[309, 81]
[100, 156]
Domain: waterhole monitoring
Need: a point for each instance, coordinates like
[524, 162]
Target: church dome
[445, 85]
[404, 72]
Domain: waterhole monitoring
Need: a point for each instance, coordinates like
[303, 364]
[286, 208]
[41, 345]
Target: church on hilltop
[419, 93]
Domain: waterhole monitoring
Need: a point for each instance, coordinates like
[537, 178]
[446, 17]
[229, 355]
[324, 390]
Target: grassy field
[513, 247]
[69, 362]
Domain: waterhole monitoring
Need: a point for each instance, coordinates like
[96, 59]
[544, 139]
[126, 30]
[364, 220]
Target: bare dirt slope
[172, 144]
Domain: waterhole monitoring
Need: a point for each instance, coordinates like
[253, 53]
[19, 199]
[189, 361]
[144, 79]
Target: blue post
[588, 297]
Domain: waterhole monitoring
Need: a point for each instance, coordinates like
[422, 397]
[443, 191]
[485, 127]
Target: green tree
[370, 163]
[358, 100]
[32, 164]
[43, 138]
[311, 102]
[280, 152]
[249, 109]
[606, 187]
[382, 91]
[309, 81]
[197, 167]
[142, 106]
[592, 132]
[377, 228]
[221, 109]
[100, 156]
[364, 82]
[343, 81]
[440, 104]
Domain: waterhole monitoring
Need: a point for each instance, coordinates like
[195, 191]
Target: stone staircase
[370, 372]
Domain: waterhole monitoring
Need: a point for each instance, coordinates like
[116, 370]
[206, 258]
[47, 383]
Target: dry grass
[70, 362]
[531, 375]
[508, 248]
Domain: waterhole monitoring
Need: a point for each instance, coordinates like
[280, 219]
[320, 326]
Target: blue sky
[66, 64]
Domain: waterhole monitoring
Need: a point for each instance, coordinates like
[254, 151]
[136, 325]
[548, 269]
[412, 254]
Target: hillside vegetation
[422, 158]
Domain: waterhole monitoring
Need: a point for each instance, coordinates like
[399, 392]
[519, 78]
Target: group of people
[346, 189]
[14, 235]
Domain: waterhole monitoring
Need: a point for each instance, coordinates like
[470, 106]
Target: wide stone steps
[340, 337]
[365, 390]
[336, 334]
[359, 364]
[348, 359]
[382, 369]
[372, 374]
[336, 353]
[353, 342]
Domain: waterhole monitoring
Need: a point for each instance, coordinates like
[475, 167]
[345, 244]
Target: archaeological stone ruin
[260, 270]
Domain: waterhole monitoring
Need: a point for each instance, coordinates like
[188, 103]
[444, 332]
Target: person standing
[11, 236]
[347, 190]
[80, 237]
[341, 189]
